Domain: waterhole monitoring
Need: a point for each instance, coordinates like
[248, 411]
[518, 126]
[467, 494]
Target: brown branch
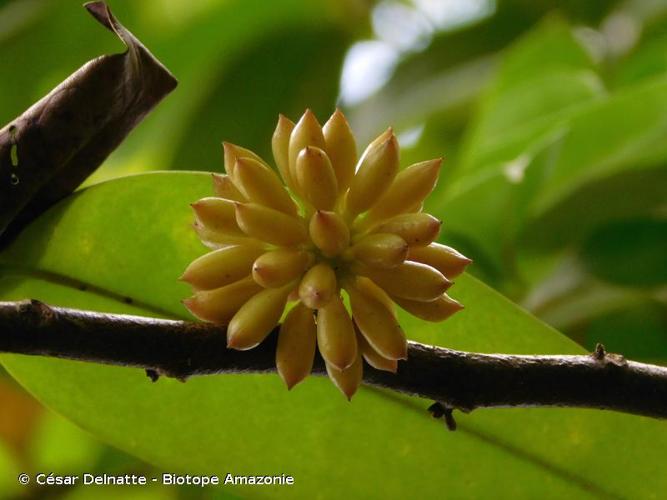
[459, 380]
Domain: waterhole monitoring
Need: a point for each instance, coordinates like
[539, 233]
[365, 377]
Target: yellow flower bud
[261, 185]
[445, 259]
[377, 169]
[410, 280]
[436, 310]
[215, 239]
[307, 132]
[408, 190]
[232, 153]
[296, 345]
[217, 214]
[223, 187]
[219, 305]
[335, 334]
[316, 179]
[416, 229]
[375, 320]
[347, 380]
[329, 233]
[221, 267]
[372, 357]
[383, 250]
[318, 286]
[272, 226]
[280, 267]
[280, 147]
[256, 318]
[341, 148]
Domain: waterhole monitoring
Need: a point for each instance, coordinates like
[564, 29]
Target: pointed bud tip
[436, 163]
[290, 382]
[338, 115]
[309, 116]
[321, 216]
[389, 141]
[231, 342]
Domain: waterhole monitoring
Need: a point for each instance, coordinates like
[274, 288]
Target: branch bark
[458, 380]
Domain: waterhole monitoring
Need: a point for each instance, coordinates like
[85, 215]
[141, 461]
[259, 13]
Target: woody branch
[458, 380]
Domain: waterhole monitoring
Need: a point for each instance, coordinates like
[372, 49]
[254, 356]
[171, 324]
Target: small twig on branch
[457, 380]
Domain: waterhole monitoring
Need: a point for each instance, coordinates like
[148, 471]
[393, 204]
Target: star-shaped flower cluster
[334, 227]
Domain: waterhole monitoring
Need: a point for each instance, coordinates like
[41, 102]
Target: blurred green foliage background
[552, 117]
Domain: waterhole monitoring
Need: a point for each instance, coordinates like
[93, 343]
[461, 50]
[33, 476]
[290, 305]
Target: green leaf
[284, 73]
[630, 252]
[648, 60]
[490, 208]
[130, 239]
[543, 79]
[638, 331]
[616, 197]
[545, 167]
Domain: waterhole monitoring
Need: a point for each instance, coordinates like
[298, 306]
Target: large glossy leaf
[630, 252]
[549, 162]
[130, 239]
[543, 79]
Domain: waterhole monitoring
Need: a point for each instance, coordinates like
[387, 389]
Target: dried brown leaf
[48, 151]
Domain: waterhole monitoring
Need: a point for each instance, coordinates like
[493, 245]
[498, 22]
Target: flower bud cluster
[328, 226]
